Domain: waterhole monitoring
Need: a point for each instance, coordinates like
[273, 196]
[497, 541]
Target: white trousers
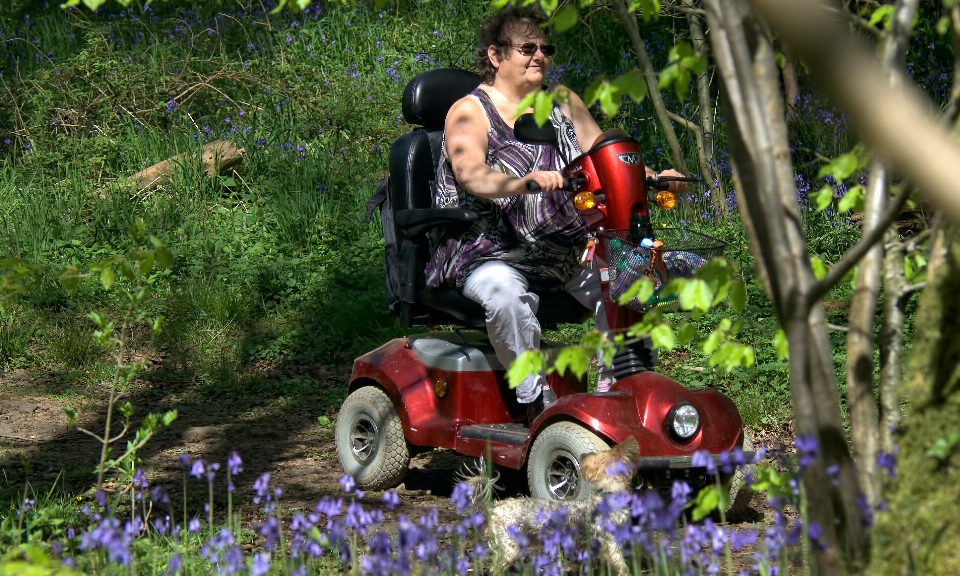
[511, 315]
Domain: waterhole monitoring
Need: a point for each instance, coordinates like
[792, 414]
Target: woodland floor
[272, 433]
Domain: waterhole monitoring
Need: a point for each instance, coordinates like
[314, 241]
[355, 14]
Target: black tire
[553, 467]
[370, 442]
[740, 494]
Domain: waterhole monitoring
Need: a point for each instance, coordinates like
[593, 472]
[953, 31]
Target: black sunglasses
[530, 48]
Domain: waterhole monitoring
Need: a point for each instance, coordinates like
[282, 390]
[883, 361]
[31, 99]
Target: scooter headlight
[684, 421]
[666, 200]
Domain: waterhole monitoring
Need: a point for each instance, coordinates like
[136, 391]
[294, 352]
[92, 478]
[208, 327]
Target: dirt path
[273, 424]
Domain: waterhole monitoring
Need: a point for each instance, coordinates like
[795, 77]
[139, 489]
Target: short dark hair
[495, 31]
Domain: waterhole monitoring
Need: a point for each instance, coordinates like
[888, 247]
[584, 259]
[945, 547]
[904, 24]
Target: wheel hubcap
[363, 439]
[563, 476]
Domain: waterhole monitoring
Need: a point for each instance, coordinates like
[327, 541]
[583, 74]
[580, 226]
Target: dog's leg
[504, 549]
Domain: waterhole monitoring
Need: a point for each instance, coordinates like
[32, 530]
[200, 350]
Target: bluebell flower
[197, 468]
[888, 462]
[703, 459]
[808, 449]
[171, 106]
[833, 473]
[390, 499]
[193, 526]
[234, 464]
[348, 484]
[174, 565]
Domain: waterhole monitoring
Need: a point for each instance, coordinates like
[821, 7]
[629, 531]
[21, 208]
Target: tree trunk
[920, 534]
[215, 157]
[708, 160]
[861, 401]
[764, 179]
[891, 338]
[653, 90]
[864, 421]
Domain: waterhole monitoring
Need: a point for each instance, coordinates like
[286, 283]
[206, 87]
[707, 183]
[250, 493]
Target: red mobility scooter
[447, 389]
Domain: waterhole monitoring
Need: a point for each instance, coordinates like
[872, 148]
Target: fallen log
[216, 157]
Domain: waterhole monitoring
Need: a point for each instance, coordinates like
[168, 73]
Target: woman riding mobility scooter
[447, 389]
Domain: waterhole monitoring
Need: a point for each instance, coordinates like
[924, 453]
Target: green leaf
[819, 268]
[168, 417]
[663, 337]
[631, 84]
[573, 358]
[549, 6]
[70, 278]
[683, 84]
[609, 103]
[696, 295]
[738, 295]
[125, 408]
[667, 76]
[565, 19]
[163, 257]
[781, 346]
[850, 200]
[840, 167]
[943, 25]
[528, 362]
[526, 102]
[641, 289]
[542, 107]
[107, 277]
[156, 326]
[824, 197]
[591, 95]
[781, 59]
[71, 415]
[713, 341]
[884, 13]
[686, 333]
[707, 500]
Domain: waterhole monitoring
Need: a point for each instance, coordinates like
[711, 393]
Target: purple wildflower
[888, 461]
[197, 468]
[808, 449]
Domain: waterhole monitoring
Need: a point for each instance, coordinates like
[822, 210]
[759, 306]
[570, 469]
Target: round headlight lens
[685, 421]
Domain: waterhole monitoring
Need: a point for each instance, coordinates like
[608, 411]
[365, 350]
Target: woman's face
[519, 69]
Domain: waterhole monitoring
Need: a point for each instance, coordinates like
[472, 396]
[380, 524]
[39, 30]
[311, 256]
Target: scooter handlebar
[570, 184]
[663, 182]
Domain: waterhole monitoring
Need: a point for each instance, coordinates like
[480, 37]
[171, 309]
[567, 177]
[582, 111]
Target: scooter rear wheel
[553, 468]
[370, 442]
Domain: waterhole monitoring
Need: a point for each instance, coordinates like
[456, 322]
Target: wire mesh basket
[682, 252]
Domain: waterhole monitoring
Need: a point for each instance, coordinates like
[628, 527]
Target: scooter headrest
[430, 94]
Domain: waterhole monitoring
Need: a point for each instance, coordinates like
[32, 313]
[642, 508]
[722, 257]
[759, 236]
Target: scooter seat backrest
[414, 156]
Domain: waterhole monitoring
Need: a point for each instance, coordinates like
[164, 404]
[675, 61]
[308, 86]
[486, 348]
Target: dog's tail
[482, 479]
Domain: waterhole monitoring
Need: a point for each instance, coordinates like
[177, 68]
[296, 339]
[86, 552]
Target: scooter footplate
[515, 434]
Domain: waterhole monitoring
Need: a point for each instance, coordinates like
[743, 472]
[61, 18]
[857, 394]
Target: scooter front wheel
[370, 442]
[553, 469]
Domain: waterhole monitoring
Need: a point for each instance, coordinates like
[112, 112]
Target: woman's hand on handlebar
[675, 186]
[540, 181]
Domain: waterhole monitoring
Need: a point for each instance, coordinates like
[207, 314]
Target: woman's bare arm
[465, 138]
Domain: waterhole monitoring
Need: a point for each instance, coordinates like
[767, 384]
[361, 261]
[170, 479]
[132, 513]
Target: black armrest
[416, 221]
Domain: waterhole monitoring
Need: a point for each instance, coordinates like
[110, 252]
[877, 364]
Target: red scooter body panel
[635, 406]
[615, 169]
[430, 419]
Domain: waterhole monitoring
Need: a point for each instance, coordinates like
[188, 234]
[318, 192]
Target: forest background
[274, 271]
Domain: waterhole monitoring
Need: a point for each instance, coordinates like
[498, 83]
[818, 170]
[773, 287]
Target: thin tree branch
[866, 242]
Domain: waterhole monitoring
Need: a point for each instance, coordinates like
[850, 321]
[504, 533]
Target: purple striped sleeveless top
[538, 234]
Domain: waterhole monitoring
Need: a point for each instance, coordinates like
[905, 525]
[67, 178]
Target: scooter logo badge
[630, 158]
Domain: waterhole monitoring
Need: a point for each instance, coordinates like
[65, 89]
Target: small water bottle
[639, 258]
